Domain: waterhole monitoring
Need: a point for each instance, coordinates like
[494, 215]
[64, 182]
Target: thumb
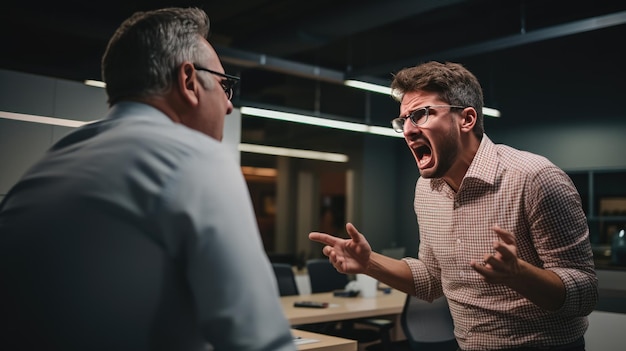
[353, 232]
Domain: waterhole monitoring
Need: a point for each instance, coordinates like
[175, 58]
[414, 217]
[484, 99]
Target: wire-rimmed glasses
[228, 83]
[418, 116]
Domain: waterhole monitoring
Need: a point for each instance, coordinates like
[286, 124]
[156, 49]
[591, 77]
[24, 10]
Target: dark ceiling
[539, 61]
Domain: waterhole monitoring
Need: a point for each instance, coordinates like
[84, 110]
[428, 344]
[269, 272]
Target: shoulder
[533, 172]
[520, 161]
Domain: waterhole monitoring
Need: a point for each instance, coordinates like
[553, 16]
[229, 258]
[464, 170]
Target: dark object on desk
[286, 279]
[385, 290]
[310, 304]
[346, 293]
[427, 327]
[325, 278]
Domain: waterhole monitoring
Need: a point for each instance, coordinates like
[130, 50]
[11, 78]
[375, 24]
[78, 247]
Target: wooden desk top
[324, 342]
[341, 308]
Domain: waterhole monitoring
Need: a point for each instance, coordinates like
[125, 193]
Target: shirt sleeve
[561, 235]
[214, 232]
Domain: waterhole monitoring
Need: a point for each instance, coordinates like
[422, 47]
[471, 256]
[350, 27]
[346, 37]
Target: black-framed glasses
[228, 83]
[418, 116]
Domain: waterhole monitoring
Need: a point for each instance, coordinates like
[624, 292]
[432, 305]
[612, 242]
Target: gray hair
[142, 55]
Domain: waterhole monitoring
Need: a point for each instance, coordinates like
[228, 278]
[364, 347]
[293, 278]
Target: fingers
[504, 251]
[502, 264]
[332, 240]
[323, 238]
[353, 232]
[506, 248]
[480, 267]
[504, 235]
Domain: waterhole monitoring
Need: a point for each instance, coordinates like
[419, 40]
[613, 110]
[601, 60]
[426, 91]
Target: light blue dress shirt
[136, 233]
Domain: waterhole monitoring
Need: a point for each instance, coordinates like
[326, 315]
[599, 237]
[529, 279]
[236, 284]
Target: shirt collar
[137, 110]
[484, 167]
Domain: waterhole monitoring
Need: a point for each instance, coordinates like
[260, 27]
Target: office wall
[23, 143]
[596, 143]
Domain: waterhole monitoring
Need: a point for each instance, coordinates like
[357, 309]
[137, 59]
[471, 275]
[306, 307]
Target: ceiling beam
[332, 24]
[253, 60]
[586, 25]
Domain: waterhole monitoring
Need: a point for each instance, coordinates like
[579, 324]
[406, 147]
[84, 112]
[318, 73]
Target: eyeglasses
[228, 83]
[418, 117]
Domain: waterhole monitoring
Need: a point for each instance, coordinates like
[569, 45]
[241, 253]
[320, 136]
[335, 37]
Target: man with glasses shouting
[502, 232]
[137, 232]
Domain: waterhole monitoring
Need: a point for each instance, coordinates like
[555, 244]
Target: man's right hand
[348, 256]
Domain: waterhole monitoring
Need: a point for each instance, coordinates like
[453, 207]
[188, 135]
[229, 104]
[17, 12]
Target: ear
[468, 119]
[188, 85]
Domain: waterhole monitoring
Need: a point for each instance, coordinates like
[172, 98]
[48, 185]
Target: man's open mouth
[424, 155]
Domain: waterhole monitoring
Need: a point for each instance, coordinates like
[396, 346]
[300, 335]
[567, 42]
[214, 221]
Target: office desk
[324, 342]
[342, 308]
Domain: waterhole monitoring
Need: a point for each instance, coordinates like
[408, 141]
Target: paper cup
[367, 285]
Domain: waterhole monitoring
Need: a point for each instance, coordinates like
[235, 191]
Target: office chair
[286, 280]
[325, 278]
[427, 327]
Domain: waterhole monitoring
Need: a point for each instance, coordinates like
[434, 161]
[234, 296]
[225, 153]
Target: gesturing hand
[503, 265]
[348, 256]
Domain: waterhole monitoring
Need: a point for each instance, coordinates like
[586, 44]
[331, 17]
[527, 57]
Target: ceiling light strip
[492, 112]
[368, 86]
[487, 111]
[43, 120]
[318, 121]
[95, 83]
[297, 153]
[304, 119]
[269, 150]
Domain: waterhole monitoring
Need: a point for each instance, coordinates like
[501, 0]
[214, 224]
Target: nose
[410, 131]
[229, 107]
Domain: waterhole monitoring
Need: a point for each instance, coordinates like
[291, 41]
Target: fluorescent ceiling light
[261, 149]
[43, 120]
[95, 83]
[304, 119]
[318, 121]
[487, 111]
[281, 151]
[368, 86]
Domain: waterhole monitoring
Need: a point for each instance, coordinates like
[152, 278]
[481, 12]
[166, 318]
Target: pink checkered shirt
[531, 197]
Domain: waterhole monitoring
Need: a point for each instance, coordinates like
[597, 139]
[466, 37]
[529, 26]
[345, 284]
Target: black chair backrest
[286, 279]
[428, 326]
[324, 277]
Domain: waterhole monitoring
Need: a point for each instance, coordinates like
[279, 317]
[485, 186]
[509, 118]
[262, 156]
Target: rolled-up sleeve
[561, 235]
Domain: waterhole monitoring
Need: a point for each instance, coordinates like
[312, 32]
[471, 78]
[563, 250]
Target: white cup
[367, 285]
